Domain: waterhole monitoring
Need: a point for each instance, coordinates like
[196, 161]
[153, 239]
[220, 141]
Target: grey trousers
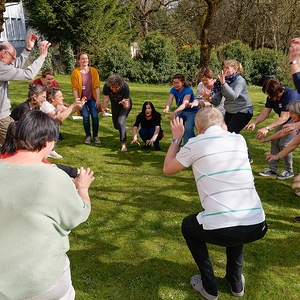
[279, 145]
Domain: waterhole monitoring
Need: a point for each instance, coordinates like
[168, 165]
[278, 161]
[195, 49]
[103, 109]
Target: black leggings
[236, 122]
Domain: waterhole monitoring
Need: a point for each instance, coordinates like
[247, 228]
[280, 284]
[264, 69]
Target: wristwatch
[175, 141]
[268, 128]
[277, 155]
[294, 62]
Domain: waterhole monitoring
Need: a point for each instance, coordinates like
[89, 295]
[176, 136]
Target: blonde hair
[208, 116]
[234, 64]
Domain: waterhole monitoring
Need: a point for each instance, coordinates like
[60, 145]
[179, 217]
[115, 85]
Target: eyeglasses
[13, 57]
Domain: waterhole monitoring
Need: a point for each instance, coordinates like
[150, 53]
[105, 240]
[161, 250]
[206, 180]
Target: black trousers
[233, 238]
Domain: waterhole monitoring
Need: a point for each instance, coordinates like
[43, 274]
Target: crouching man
[233, 213]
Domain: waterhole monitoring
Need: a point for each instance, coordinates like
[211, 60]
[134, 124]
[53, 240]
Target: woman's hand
[171, 116]
[250, 126]
[165, 110]
[270, 157]
[222, 78]
[135, 141]
[149, 142]
[84, 179]
[205, 94]
[261, 133]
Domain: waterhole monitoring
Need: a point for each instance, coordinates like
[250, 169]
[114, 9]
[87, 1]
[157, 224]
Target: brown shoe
[88, 140]
[97, 140]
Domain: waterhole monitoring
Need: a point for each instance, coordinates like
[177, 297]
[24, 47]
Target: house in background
[14, 25]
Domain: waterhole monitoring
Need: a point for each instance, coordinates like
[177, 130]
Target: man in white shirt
[233, 213]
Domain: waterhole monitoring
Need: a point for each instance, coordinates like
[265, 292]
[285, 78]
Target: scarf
[228, 79]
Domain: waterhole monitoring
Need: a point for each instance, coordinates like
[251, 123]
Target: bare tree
[145, 8]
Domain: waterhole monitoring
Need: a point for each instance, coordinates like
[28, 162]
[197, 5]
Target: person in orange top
[86, 83]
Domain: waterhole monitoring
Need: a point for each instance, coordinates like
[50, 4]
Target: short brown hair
[273, 88]
[47, 72]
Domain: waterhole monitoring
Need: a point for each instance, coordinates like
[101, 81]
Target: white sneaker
[53, 154]
[197, 285]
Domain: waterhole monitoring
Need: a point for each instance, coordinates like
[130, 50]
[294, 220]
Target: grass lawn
[131, 247]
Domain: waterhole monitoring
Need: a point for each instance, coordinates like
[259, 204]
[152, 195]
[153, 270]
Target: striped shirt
[224, 179]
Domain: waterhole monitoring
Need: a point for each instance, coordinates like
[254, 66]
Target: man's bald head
[7, 53]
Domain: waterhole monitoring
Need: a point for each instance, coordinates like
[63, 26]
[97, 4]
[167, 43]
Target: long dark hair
[154, 111]
[9, 146]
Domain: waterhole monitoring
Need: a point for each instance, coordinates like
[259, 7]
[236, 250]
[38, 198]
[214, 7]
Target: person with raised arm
[11, 69]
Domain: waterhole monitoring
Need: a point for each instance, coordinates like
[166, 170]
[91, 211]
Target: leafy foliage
[159, 58]
[241, 52]
[188, 63]
[83, 22]
[268, 61]
[116, 59]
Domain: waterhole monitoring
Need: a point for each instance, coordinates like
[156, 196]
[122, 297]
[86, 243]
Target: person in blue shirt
[183, 95]
[278, 97]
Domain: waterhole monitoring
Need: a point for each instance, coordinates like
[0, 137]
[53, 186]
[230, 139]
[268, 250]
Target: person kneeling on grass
[233, 214]
[150, 132]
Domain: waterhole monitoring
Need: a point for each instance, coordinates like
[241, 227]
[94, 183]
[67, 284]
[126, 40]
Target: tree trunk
[205, 22]
[2, 10]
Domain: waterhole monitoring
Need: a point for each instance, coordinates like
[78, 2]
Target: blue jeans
[89, 108]
[189, 124]
[147, 134]
[233, 238]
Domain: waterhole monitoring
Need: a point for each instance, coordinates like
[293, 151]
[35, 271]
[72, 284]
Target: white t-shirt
[198, 97]
[224, 179]
[47, 107]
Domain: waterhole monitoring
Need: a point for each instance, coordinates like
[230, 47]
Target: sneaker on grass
[238, 290]
[197, 285]
[88, 140]
[268, 172]
[285, 175]
[55, 155]
[297, 219]
[97, 140]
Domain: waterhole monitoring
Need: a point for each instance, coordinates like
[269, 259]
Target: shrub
[116, 59]
[268, 61]
[188, 63]
[158, 61]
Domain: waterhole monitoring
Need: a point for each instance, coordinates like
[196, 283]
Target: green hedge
[159, 61]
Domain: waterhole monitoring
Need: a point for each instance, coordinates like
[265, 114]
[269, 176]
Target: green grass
[131, 247]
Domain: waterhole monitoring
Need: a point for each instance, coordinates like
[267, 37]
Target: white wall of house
[14, 25]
